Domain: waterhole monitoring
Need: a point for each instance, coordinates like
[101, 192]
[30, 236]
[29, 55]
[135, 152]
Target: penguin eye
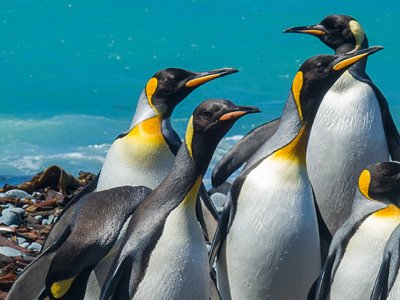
[207, 114]
[319, 68]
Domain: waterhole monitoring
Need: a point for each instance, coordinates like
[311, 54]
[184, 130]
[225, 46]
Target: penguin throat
[148, 131]
[296, 149]
[191, 197]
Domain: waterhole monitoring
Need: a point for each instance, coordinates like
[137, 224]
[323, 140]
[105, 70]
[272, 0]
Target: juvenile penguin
[353, 127]
[142, 156]
[267, 241]
[357, 247]
[164, 254]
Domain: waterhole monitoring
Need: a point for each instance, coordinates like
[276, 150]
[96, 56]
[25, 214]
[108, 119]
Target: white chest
[273, 242]
[349, 118]
[134, 163]
[356, 274]
[347, 136]
[178, 266]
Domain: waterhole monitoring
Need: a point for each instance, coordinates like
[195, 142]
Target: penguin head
[381, 181]
[210, 121]
[340, 32]
[316, 76]
[170, 86]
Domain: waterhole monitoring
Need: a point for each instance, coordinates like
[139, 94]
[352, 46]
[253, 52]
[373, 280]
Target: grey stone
[20, 240]
[35, 246]
[18, 210]
[39, 218]
[18, 194]
[45, 222]
[10, 219]
[218, 199]
[51, 219]
[8, 251]
[25, 245]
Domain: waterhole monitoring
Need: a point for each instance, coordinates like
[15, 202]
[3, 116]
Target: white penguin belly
[135, 165]
[358, 269]
[272, 249]
[347, 136]
[178, 266]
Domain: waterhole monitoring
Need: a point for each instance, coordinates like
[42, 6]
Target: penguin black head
[340, 32]
[381, 181]
[210, 121]
[315, 77]
[170, 86]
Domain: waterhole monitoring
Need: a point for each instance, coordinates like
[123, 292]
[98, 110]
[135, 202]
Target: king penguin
[357, 247]
[267, 241]
[145, 153]
[353, 127]
[164, 254]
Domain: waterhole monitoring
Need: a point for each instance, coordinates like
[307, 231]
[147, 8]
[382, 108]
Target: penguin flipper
[207, 214]
[225, 222]
[389, 268]
[82, 250]
[118, 280]
[242, 151]
[391, 132]
[325, 237]
[65, 217]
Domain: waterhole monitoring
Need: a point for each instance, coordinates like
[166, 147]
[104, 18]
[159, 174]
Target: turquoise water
[71, 71]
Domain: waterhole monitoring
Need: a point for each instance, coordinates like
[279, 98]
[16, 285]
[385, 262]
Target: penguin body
[164, 254]
[269, 241]
[268, 232]
[353, 127]
[348, 130]
[357, 247]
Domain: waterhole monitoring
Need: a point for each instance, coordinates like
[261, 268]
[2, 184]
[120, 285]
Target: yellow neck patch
[189, 136]
[358, 33]
[148, 131]
[191, 197]
[151, 87]
[363, 183]
[297, 85]
[60, 288]
[295, 150]
[391, 211]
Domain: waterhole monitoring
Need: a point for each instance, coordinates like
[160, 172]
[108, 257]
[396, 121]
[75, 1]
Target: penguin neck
[361, 65]
[143, 111]
[182, 182]
[148, 131]
[293, 133]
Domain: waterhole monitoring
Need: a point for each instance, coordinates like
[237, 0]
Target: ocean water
[72, 71]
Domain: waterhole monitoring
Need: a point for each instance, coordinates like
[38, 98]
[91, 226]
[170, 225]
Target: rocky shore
[27, 213]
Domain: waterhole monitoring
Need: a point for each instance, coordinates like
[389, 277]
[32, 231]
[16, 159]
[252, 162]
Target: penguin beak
[345, 61]
[316, 30]
[203, 77]
[238, 113]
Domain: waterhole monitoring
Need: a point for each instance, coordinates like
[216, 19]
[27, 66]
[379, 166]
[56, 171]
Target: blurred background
[72, 71]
